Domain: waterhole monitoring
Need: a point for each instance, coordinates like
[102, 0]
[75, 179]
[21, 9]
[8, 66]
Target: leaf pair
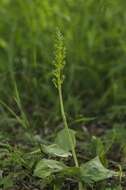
[92, 171]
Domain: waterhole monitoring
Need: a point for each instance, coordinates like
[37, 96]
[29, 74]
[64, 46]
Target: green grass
[95, 44]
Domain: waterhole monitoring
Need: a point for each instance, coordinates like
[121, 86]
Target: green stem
[66, 126]
[68, 133]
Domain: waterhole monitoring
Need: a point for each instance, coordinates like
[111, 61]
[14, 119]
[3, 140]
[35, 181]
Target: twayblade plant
[59, 63]
[58, 79]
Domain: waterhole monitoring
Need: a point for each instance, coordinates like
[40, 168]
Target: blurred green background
[95, 38]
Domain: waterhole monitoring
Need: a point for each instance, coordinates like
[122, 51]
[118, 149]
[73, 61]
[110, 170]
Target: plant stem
[68, 133]
[66, 126]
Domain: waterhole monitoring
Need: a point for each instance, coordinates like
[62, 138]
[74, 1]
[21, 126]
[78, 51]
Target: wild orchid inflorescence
[59, 61]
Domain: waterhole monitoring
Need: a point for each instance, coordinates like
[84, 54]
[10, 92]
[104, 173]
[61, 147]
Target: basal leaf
[46, 167]
[94, 171]
[62, 139]
[55, 150]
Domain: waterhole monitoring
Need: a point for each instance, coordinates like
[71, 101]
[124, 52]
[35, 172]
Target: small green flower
[59, 60]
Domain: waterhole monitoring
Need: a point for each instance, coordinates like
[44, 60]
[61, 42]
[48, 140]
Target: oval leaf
[94, 171]
[46, 167]
[62, 139]
[55, 150]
